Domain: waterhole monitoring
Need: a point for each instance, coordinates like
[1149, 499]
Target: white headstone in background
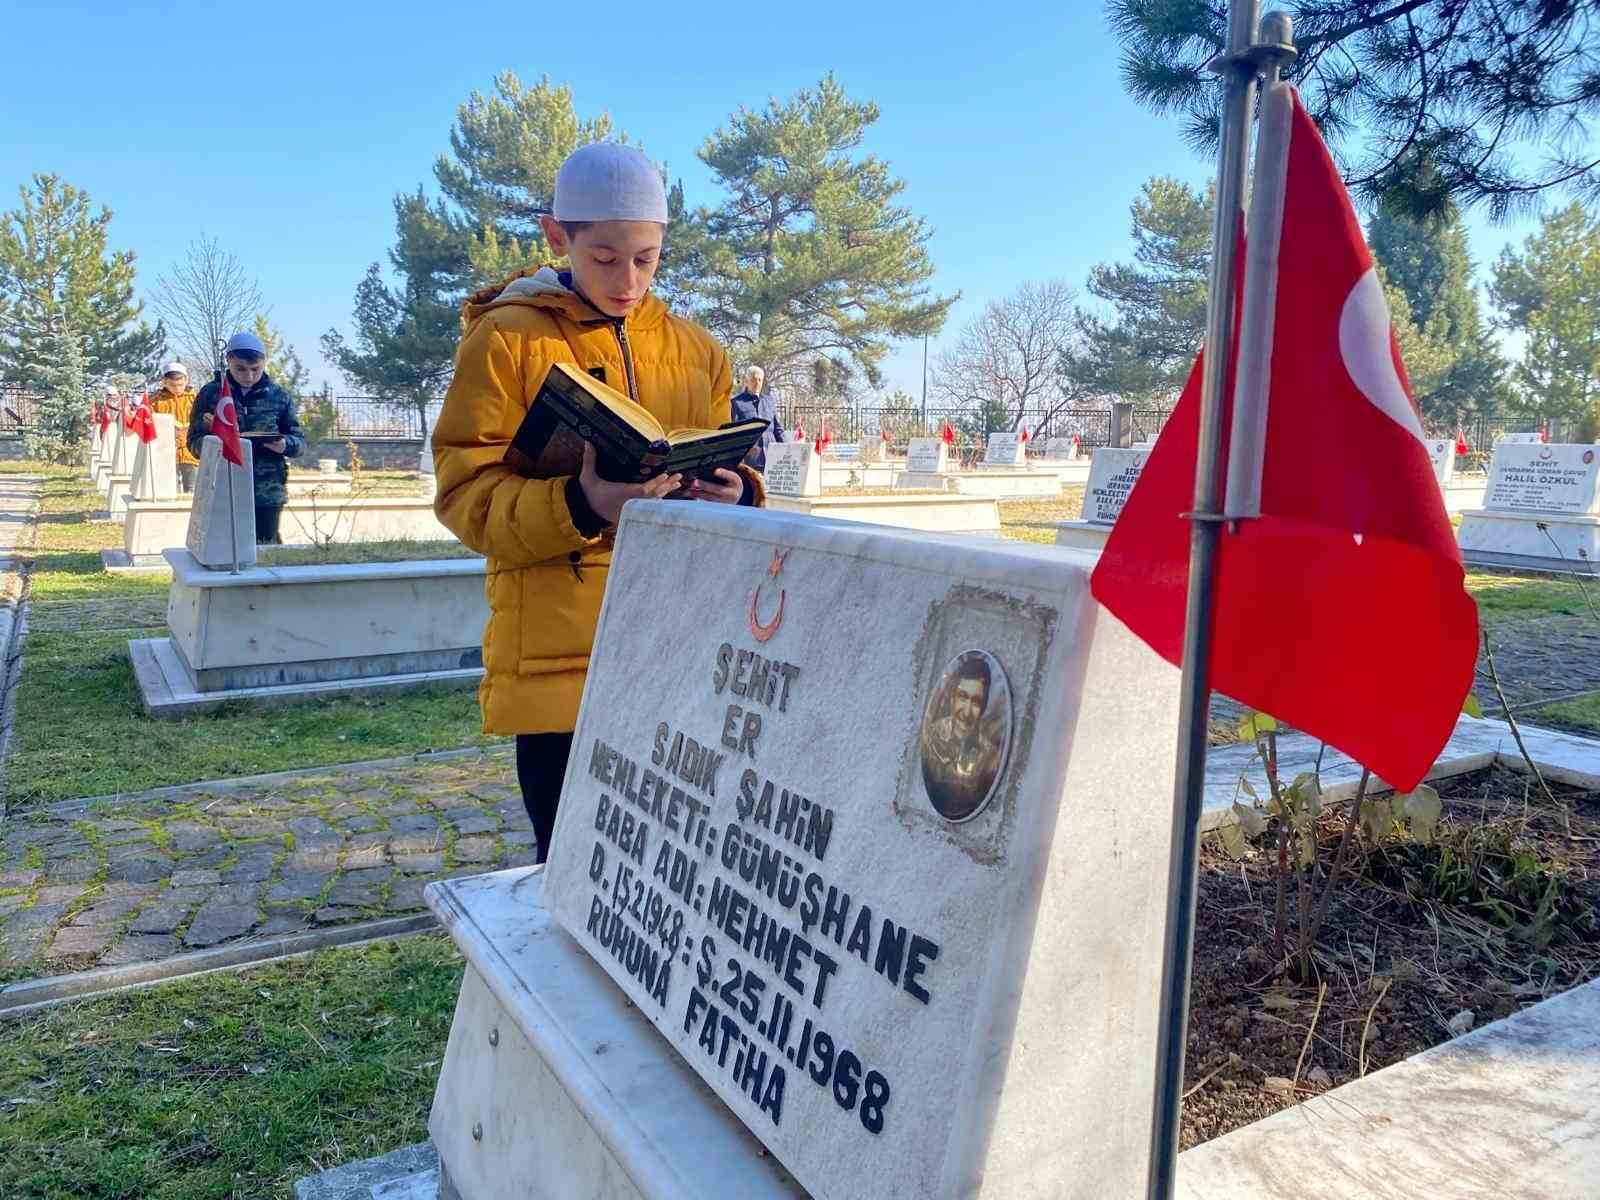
[1518, 439]
[927, 456]
[1005, 450]
[209, 538]
[793, 469]
[155, 464]
[123, 445]
[1060, 449]
[1112, 473]
[1442, 454]
[855, 848]
[1547, 479]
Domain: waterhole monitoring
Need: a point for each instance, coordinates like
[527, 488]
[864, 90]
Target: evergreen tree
[61, 421]
[1427, 260]
[56, 270]
[283, 364]
[505, 152]
[1550, 293]
[1158, 301]
[808, 257]
[1480, 101]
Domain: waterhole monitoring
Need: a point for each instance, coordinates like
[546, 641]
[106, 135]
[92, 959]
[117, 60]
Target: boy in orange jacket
[548, 541]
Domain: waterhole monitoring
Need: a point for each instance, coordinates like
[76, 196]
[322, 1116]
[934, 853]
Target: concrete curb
[14, 568]
[240, 783]
[32, 995]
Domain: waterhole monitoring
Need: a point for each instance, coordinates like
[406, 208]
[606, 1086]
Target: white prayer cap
[175, 368]
[111, 390]
[605, 181]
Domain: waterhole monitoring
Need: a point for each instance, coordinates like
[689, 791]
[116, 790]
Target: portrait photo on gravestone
[965, 735]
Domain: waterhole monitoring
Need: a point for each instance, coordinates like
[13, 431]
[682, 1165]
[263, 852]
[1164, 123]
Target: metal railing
[1091, 426]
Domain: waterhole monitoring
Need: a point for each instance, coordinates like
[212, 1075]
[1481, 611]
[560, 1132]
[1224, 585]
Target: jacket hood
[542, 287]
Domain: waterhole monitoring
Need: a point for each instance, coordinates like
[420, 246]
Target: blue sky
[284, 130]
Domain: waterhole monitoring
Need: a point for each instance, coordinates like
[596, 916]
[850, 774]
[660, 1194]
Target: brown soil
[1395, 961]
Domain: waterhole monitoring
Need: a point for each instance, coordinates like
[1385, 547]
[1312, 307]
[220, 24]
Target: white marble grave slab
[1544, 479]
[927, 456]
[1518, 439]
[793, 469]
[1112, 473]
[123, 444]
[216, 531]
[1060, 449]
[1442, 454]
[1005, 450]
[860, 889]
[155, 464]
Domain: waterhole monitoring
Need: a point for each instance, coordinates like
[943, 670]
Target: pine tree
[1158, 301]
[283, 364]
[56, 268]
[1479, 101]
[61, 421]
[1427, 260]
[1550, 293]
[808, 257]
[505, 151]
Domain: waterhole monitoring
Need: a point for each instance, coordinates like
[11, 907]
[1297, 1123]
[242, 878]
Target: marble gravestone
[1518, 439]
[1442, 454]
[1060, 449]
[1112, 473]
[1005, 450]
[846, 813]
[793, 469]
[1541, 508]
[155, 464]
[927, 456]
[123, 444]
[214, 529]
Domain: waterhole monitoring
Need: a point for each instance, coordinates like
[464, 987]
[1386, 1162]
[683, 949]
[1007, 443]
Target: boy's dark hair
[574, 228]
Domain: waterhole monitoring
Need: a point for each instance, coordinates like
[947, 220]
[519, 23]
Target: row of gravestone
[1541, 502]
[795, 468]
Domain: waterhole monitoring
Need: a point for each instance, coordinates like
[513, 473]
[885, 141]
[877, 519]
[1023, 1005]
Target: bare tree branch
[205, 298]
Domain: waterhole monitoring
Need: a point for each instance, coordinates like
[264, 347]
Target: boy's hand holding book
[607, 498]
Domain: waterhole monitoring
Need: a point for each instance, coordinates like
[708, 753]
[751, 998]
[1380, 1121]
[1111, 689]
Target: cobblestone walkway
[147, 876]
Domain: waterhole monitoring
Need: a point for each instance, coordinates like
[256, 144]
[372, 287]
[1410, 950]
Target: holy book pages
[630, 444]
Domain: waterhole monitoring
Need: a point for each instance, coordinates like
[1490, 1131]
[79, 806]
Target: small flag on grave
[226, 424]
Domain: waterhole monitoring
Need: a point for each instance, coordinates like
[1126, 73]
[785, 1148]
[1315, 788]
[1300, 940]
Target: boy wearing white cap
[176, 397]
[549, 541]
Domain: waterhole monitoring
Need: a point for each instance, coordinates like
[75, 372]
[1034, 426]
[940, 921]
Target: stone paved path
[147, 876]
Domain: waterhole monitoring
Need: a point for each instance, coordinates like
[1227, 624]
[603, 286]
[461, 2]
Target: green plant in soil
[229, 1085]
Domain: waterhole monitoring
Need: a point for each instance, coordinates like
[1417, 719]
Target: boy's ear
[554, 234]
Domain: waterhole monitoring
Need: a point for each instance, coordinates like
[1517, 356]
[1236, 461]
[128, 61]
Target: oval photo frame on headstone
[965, 739]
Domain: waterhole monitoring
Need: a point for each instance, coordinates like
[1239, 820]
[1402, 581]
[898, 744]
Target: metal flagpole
[1237, 65]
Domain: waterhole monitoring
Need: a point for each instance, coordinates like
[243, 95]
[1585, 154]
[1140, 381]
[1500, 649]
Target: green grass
[229, 1085]
[81, 730]
[33, 466]
[1035, 520]
[398, 550]
[1582, 714]
[1522, 596]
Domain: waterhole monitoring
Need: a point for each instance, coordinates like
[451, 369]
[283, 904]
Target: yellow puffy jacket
[180, 406]
[545, 579]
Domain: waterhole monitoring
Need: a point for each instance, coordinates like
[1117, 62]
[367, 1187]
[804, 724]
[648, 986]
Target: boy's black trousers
[541, 766]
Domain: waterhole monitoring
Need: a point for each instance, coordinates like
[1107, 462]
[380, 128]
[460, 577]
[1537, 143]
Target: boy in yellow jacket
[177, 398]
[548, 541]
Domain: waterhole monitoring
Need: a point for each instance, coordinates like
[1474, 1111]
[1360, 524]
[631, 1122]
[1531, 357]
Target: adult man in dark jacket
[263, 407]
[750, 404]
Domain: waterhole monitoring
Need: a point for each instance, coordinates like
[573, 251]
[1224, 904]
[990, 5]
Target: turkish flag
[1025, 434]
[225, 424]
[1462, 445]
[824, 439]
[129, 414]
[800, 432]
[947, 433]
[144, 420]
[1341, 608]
